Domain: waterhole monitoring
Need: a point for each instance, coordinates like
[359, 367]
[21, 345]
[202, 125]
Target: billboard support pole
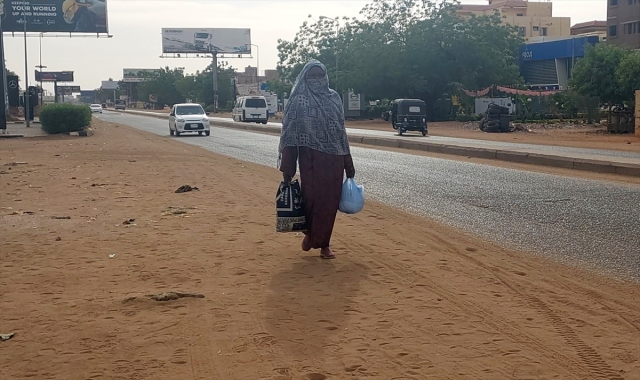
[4, 106]
[27, 117]
[214, 68]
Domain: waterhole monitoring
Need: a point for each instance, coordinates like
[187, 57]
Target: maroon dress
[321, 177]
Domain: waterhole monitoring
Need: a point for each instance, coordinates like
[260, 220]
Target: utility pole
[41, 67]
[4, 102]
[257, 61]
[26, 73]
[214, 68]
[337, 20]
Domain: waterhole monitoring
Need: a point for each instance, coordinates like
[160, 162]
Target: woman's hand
[351, 172]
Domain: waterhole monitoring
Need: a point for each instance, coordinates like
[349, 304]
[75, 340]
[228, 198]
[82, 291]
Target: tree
[163, 85]
[407, 48]
[595, 74]
[279, 87]
[172, 86]
[628, 75]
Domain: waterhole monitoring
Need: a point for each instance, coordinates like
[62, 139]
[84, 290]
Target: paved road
[633, 157]
[591, 223]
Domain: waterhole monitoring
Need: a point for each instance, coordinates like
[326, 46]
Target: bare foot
[306, 244]
[327, 253]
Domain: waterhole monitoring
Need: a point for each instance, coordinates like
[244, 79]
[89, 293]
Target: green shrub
[62, 118]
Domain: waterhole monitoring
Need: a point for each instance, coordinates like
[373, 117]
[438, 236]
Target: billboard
[218, 40]
[13, 90]
[137, 75]
[54, 76]
[68, 90]
[109, 85]
[68, 16]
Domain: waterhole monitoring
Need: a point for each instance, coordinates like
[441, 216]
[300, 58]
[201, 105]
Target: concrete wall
[619, 15]
[539, 9]
[556, 26]
[535, 14]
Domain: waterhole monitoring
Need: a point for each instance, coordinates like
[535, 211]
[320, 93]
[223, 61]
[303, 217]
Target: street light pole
[214, 68]
[258, 61]
[4, 112]
[337, 20]
[26, 72]
[41, 67]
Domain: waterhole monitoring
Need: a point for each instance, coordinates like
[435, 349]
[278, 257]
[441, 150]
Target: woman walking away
[313, 135]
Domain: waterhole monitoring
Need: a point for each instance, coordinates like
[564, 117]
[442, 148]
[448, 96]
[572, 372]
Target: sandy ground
[406, 299]
[574, 136]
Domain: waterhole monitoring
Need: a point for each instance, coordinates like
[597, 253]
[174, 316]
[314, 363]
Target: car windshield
[255, 103]
[189, 110]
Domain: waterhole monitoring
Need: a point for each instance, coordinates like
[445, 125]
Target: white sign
[219, 40]
[354, 101]
[137, 75]
[482, 104]
[109, 85]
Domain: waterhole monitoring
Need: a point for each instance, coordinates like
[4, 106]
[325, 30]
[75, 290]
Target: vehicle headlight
[180, 120]
[405, 119]
[206, 120]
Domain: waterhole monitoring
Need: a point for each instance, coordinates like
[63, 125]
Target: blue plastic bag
[352, 197]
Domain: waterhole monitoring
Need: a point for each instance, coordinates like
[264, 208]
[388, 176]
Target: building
[623, 23]
[250, 75]
[548, 62]
[533, 19]
[590, 28]
[271, 75]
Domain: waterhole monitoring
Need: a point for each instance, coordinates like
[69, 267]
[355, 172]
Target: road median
[509, 155]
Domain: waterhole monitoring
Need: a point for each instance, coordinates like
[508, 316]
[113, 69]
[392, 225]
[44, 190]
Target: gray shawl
[314, 116]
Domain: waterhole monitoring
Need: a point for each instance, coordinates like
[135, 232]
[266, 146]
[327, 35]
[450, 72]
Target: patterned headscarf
[314, 116]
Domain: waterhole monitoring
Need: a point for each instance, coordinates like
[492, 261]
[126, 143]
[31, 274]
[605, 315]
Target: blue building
[548, 63]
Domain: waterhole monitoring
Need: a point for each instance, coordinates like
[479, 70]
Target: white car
[95, 108]
[251, 109]
[188, 117]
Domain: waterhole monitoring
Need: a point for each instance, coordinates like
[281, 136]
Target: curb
[84, 133]
[584, 164]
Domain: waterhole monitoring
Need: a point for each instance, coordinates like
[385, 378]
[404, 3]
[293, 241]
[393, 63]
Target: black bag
[290, 213]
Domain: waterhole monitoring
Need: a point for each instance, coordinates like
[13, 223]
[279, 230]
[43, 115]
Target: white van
[251, 109]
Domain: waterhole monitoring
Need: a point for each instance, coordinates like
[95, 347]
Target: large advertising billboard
[218, 40]
[109, 85]
[68, 90]
[54, 76]
[137, 75]
[68, 16]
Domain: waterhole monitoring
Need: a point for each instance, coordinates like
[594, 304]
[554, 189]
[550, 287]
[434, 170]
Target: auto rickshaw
[409, 115]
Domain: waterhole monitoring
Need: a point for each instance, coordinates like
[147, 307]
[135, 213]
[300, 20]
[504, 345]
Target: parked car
[251, 109]
[95, 108]
[188, 117]
[120, 105]
[104, 106]
[409, 115]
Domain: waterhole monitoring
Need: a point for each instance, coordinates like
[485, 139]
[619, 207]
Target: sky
[136, 28]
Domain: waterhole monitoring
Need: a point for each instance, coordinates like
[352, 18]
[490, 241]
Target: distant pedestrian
[314, 135]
